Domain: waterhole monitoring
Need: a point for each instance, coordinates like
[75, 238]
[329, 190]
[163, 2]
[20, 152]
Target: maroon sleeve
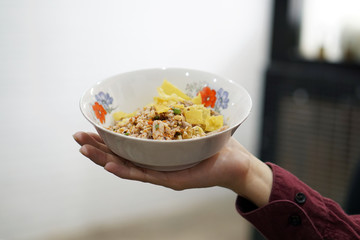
[296, 211]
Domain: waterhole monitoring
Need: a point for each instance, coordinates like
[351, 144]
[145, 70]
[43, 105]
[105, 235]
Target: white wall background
[51, 51]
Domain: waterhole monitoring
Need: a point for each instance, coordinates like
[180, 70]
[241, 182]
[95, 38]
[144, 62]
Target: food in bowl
[129, 91]
[172, 115]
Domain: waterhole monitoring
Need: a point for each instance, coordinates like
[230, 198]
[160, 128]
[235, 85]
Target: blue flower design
[104, 99]
[222, 98]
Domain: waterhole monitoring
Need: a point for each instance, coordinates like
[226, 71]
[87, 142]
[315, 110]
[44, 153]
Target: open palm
[231, 163]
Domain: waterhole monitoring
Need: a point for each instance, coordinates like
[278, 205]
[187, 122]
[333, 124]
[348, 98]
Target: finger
[131, 172]
[125, 170]
[84, 138]
[173, 180]
[96, 137]
[98, 156]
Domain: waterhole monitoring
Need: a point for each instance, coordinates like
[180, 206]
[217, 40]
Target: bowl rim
[230, 128]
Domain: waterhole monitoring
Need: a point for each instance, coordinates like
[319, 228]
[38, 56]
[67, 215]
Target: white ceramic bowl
[132, 90]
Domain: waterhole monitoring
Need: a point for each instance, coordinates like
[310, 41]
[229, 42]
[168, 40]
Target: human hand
[233, 167]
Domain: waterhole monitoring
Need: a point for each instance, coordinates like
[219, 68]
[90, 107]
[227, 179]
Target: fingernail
[83, 151]
[106, 167]
[75, 137]
[110, 167]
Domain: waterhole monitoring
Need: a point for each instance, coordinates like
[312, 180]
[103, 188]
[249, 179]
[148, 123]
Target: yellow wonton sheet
[170, 96]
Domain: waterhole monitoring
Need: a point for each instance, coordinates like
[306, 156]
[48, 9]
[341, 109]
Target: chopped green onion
[156, 126]
[127, 134]
[176, 111]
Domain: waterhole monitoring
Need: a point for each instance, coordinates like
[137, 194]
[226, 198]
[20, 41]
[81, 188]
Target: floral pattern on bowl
[102, 106]
[216, 100]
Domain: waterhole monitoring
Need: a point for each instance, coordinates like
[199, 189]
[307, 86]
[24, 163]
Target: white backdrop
[51, 51]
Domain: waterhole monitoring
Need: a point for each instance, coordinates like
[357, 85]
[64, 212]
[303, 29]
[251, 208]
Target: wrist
[257, 184]
[245, 174]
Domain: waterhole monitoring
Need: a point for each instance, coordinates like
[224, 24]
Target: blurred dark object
[311, 116]
[312, 125]
[352, 205]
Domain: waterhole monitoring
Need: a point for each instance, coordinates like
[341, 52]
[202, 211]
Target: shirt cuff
[286, 215]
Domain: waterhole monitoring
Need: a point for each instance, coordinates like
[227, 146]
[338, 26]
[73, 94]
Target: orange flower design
[100, 112]
[208, 97]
